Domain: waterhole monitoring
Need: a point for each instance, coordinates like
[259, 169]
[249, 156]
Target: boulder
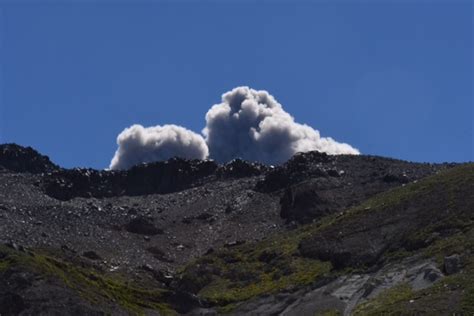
[452, 264]
[304, 203]
[143, 226]
[92, 255]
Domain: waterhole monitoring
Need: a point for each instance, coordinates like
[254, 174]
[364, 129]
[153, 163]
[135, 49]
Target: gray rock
[144, 226]
[91, 255]
[452, 264]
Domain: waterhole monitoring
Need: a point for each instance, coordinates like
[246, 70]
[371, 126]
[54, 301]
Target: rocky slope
[319, 235]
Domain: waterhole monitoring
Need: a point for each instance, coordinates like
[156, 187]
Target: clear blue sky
[390, 78]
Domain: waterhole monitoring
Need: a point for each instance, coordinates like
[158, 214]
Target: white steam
[252, 125]
[247, 124]
[138, 144]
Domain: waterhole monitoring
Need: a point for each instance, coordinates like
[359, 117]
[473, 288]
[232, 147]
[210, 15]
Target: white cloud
[247, 124]
[138, 144]
[252, 125]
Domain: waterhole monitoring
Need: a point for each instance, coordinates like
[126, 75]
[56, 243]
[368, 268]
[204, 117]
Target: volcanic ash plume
[252, 125]
[138, 144]
[247, 124]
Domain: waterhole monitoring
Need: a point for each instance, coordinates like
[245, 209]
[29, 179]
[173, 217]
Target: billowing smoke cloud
[138, 144]
[252, 125]
[247, 124]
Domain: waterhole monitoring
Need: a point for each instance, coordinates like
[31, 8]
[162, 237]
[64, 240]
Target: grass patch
[453, 295]
[225, 290]
[450, 182]
[388, 302]
[236, 274]
[90, 284]
[330, 312]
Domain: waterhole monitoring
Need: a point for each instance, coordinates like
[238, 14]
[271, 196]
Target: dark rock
[24, 159]
[204, 216]
[234, 243]
[144, 226]
[432, 275]
[312, 184]
[167, 176]
[195, 277]
[92, 255]
[164, 278]
[304, 202]
[268, 256]
[239, 168]
[452, 264]
[300, 167]
[158, 254]
[333, 173]
[160, 177]
[209, 251]
[361, 239]
[184, 302]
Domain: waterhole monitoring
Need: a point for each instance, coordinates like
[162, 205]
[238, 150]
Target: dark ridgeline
[241, 236]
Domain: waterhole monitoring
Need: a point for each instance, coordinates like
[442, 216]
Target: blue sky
[389, 78]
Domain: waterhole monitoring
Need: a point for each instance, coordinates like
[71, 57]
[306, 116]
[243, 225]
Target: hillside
[329, 235]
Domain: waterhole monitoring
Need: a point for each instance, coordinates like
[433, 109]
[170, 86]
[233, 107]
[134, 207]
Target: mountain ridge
[201, 233]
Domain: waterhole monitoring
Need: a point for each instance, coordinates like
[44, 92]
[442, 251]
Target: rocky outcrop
[404, 221]
[315, 184]
[341, 295]
[212, 239]
[239, 168]
[300, 167]
[304, 202]
[167, 176]
[24, 159]
[349, 178]
[452, 264]
[159, 177]
[27, 292]
[352, 171]
[143, 226]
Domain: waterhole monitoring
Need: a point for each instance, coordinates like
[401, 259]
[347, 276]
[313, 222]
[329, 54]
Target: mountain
[319, 235]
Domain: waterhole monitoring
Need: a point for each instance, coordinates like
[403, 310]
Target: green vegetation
[87, 282]
[453, 294]
[390, 301]
[448, 183]
[232, 275]
[240, 273]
